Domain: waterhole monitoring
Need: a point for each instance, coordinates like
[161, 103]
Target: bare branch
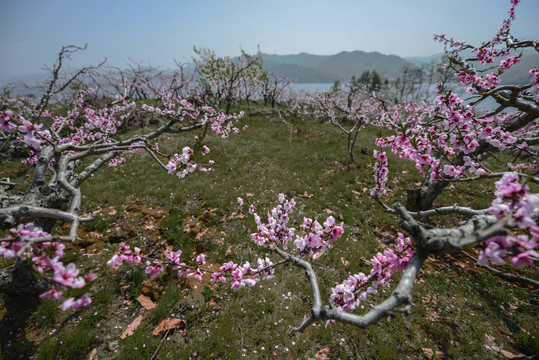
[470, 232]
[24, 211]
[490, 176]
[445, 210]
[92, 168]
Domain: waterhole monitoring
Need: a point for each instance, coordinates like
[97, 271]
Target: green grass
[454, 308]
[46, 314]
[169, 299]
[72, 344]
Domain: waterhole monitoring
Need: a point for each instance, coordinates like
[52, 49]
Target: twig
[160, 342]
[504, 275]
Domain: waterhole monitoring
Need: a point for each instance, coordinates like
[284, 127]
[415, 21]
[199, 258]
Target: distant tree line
[414, 82]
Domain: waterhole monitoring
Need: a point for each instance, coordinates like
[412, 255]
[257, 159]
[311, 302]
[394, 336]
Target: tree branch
[401, 295]
[473, 231]
[23, 211]
[503, 275]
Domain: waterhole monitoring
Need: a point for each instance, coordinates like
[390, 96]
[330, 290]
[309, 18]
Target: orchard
[264, 235]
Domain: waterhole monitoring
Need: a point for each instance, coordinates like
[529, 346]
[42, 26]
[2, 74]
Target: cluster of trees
[447, 140]
[368, 80]
[66, 147]
[220, 82]
[414, 83]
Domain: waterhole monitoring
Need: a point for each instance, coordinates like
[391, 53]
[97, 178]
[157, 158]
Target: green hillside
[307, 68]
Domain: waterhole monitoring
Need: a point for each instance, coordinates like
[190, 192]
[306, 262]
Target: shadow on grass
[14, 329]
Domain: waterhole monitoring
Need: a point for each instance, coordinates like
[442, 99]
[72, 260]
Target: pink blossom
[51, 294]
[153, 270]
[75, 303]
[66, 276]
[115, 261]
[216, 277]
[228, 267]
[5, 124]
[201, 259]
[330, 222]
[197, 275]
[380, 174]
[494, 252]
[27, 127]
[174, 256]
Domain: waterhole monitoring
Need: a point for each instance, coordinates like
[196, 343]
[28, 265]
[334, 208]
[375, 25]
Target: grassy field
[459, 312]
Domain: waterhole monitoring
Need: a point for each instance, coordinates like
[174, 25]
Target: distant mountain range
[308, 68]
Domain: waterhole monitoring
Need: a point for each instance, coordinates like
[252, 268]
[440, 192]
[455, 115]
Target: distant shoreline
[312, 86]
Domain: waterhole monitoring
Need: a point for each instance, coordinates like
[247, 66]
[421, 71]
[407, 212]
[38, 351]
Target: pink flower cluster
[84, 126]
[223, 124]
[135, 256]
[178, 109]
[275, 230]
[484, 56]
[438, 146]
[522, 167]
[489, 81]
[506, 24]
[316, 240]
[184, 164]
[33, 134]
[534, 80]
[523, 249]
[508, 62]
[5, 124]
[245, 275]
[69, 278]
[487, 52]
[125, 254]
[349, 295]
[45, 258]
[513, 199]
[380, 174]
[241, 275]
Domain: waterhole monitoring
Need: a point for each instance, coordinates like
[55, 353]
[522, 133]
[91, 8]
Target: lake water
[312, 86]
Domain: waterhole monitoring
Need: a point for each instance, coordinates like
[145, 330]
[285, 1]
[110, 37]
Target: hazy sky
[156, 32]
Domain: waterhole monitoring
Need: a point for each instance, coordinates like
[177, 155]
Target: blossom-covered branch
[57, 151]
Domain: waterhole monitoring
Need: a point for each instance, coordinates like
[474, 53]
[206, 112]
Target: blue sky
[156, 32]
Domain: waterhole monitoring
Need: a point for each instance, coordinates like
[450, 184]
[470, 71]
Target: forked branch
[402, 295]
